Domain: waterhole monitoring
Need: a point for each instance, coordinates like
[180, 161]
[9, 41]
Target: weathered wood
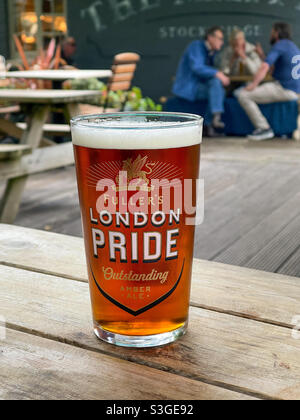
[57, 74]
[9, 109]
[11, 129]
[32, 138]
[10, 202]
[52, 129]
[122, 77]
[40, 160]
[47, 96]
[115, 86]
[34, 368]
[12, 151]
[243, 355]
[252, 294]
[243, 292]
[127, 57]
[33, 135]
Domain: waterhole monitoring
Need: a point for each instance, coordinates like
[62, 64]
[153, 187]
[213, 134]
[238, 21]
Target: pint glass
[137, 176]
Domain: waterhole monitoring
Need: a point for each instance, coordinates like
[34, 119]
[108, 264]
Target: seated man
[285, 88]
[197, 78]
[240, 57]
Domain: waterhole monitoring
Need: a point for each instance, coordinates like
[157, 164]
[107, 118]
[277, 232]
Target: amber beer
[132, 170]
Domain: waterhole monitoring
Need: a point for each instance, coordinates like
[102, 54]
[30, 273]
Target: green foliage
[134, 98]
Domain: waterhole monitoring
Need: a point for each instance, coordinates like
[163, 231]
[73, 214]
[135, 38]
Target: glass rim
[188, 120]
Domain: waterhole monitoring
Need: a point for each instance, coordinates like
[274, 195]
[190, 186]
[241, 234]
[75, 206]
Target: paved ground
[252, 210]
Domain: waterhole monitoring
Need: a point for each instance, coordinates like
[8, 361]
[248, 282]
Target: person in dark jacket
[197, 77]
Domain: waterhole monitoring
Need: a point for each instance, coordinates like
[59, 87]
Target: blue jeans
[214, 92]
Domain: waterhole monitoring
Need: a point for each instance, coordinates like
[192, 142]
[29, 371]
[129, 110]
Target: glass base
[143, 341]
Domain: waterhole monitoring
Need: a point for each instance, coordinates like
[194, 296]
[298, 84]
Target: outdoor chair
[123, 69]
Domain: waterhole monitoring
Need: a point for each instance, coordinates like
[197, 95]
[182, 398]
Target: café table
[242, 342]
[56, 75]
[247, 79]
[36, 104]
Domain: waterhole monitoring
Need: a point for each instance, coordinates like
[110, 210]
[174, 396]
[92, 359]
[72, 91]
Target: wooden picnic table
[16, 170]
[57, 75]
[239, 344]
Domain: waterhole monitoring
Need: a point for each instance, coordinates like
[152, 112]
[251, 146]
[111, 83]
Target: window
[36, 22]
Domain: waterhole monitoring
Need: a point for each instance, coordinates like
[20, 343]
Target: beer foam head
[130, 131]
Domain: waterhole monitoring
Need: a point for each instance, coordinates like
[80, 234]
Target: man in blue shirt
[285, 88]
[197, 78]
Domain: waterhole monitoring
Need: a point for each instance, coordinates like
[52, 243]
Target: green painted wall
[161, 29]
[3, 28]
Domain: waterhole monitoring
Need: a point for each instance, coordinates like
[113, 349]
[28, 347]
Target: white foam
[136, 134]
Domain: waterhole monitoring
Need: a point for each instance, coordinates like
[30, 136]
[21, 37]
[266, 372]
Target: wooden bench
[50, 129]
[17, 164]
[12, 152]
[9, 109]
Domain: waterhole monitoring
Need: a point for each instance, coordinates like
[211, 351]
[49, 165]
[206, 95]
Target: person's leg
[216, 99]
[214, 93]
[216, 96]
[202, 95]
[264, 94]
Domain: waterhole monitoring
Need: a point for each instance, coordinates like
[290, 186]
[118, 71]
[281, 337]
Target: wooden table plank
[57, 74]
[249, 78]
[243, 355]
[9, 109]
[53, 96]
[248, 293]
[35, 368]
[12, 151]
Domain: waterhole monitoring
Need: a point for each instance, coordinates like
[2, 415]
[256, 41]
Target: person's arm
[259, 77]
[198, 65]
[226, 61]
[265, 68]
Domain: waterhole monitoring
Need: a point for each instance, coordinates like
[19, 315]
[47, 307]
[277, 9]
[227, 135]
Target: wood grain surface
[246, 356]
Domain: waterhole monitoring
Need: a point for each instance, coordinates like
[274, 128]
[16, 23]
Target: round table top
[57, 74]
[46, 96]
